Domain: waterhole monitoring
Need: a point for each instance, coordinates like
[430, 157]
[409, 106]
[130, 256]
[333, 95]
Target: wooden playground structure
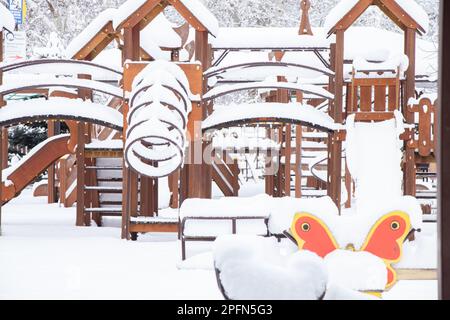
[90, 167]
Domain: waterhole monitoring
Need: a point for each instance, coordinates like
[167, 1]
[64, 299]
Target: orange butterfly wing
[386, 238]
[312, 234]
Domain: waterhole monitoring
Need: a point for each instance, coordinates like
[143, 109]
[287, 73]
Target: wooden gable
[389, 7]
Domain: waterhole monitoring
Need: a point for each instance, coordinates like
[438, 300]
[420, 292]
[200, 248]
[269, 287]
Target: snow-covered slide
[160, 102]
[16, 177]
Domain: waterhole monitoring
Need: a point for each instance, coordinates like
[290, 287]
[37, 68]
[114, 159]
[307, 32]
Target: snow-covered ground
[44, 256]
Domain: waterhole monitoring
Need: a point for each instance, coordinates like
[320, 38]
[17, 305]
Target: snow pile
[373, 152]
[157, 120]
[161, 31]
[89, 32]
[358, 270]
[7, 20]
[394, 63]
[283, 210]
[253, 268]
[227, 115]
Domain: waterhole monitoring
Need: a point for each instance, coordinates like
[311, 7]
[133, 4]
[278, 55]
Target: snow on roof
[415, 11]
[11, 87]
[89, 32]
[7, 20]
[161, 31]
[306, 88]
[224, 115]
[203, 15]
[338, 12]
[62, 107]
[266, 38]
[125, 11]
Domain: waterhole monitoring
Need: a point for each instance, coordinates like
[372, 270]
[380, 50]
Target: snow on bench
[20, 85]
[226, 116]
[241, 210]
[315, 91]
[54, 108]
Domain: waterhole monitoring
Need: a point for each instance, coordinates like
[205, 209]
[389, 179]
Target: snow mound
[252, 268]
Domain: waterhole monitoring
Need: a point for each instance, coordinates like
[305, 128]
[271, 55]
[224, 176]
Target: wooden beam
[409, 172]
[96, 45]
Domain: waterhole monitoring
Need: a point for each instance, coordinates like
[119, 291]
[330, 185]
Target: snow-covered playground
[163, 153]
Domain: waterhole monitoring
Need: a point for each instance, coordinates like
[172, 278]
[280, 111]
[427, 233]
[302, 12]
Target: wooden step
[104, 189]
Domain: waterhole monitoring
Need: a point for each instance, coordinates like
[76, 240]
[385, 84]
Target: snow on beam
[270, 66]
[7, 20]
[296, 113]
[58, 66]
[314, 90]
[266, 38]
[18, 86]
[60, 108]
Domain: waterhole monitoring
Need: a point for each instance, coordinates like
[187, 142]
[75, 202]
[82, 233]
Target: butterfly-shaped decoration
[384, 240]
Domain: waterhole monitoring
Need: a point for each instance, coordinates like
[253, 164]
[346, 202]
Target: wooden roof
[151, 8]
[390, 7]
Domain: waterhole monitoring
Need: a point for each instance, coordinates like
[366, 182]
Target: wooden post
[287, 160]
[443, 155]
[298, 153]
[334, 145]
[51, 182]
[199, 176]
[80, 174]
[409, 92]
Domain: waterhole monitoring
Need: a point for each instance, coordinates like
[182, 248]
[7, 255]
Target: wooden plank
[380, 98]
[153, 227]
[425, 113]
[365, 99]
[373, 116]
[416, 274]
[393, 103]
